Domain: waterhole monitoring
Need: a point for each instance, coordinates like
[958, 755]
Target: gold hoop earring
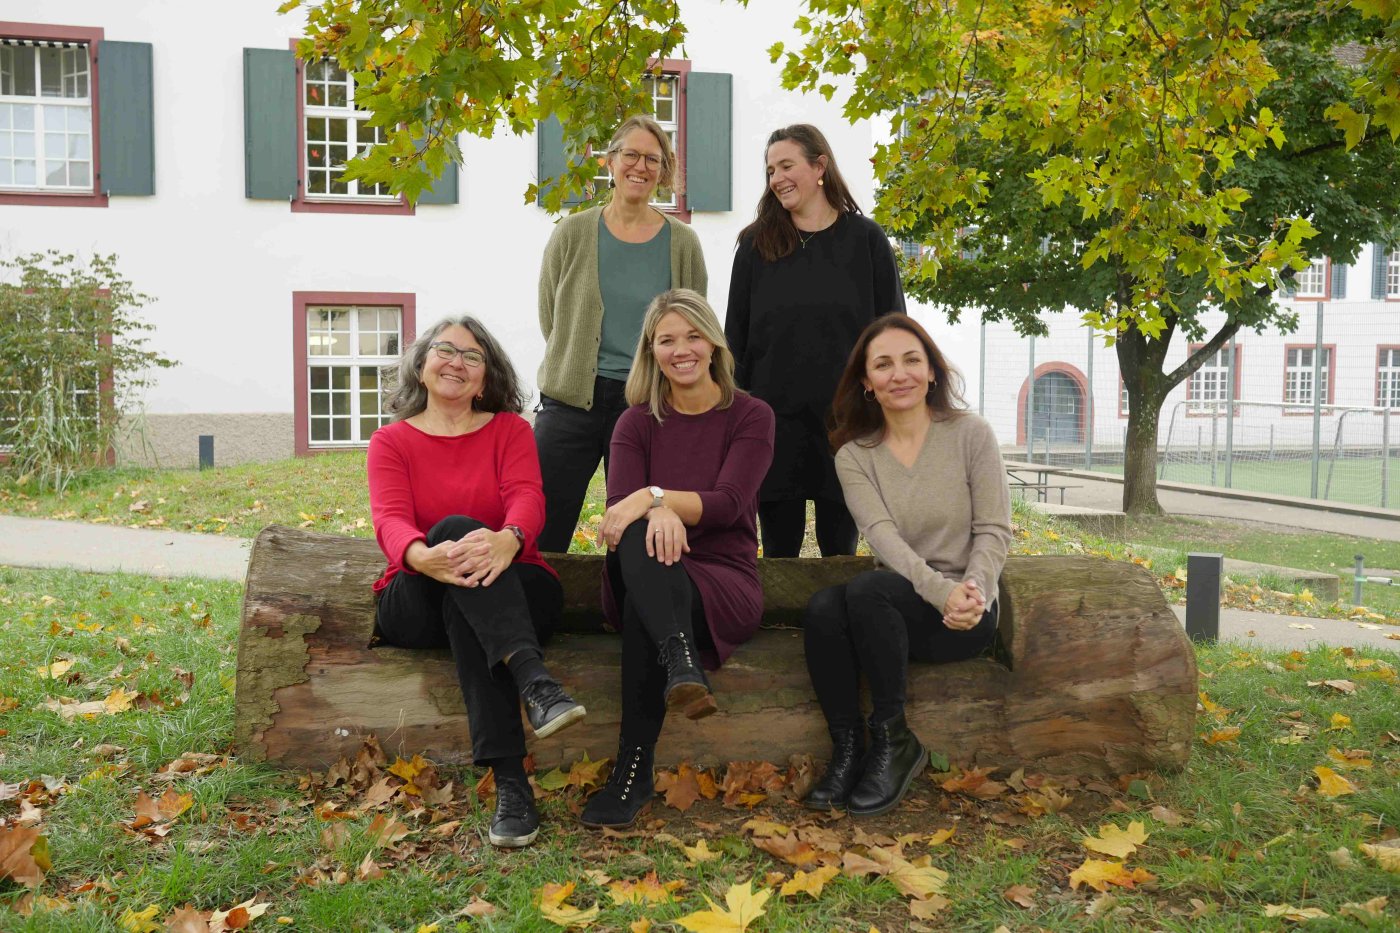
[869, 395]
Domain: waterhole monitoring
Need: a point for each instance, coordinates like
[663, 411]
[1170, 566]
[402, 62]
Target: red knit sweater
[418, 479]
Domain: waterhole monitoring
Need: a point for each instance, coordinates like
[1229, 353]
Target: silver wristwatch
[658, 496]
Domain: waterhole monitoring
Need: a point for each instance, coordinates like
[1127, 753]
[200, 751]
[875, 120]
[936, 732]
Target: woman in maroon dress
[682, 571]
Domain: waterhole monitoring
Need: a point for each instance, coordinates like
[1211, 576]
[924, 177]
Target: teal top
[630, 275]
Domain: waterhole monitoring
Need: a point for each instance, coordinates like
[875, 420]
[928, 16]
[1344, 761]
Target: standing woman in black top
[809, 274]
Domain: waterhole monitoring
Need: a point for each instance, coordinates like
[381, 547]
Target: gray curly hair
[406, 395]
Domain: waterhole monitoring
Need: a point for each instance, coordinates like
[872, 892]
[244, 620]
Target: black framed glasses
[447, 351]
[632, 157]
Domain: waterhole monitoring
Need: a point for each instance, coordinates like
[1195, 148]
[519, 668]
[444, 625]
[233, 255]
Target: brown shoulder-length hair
[772, 230]
[854, 417]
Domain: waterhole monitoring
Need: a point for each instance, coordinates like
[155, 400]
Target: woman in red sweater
[454, 488]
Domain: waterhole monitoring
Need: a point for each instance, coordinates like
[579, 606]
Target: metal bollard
[1203, 572]
[206, 451]
[1360, 577]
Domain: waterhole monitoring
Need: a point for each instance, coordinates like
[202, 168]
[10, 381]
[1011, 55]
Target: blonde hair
[666, 177]
[646, 384]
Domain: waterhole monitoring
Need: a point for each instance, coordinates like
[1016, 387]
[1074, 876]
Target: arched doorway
[1058, 411]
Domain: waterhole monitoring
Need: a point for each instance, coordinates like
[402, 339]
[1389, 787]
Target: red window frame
[1331, 350]
[1326, 284]
[1055, 366]
[407, 302]
[1383, 348]
[303, 205]
[1239, 353]
[90, 35]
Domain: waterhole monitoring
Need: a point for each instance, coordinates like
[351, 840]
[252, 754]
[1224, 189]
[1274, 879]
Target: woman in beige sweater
[925, 483]
[601, 269]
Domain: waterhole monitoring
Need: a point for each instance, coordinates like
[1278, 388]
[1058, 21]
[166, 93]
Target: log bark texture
[1092, 672]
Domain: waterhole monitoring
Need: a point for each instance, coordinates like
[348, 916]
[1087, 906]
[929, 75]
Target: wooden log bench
[1092, 673]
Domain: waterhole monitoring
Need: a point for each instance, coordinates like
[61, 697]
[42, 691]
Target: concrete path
[1288, 633]
[41, 542]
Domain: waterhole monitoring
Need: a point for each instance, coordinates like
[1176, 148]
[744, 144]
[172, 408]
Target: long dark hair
[405, 395]
[772, 230]
[857, 418]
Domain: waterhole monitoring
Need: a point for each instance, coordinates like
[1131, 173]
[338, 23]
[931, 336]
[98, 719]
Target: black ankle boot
[687, 688]
[896, 757]
[842, 772]
[629, 788]
[516, 822]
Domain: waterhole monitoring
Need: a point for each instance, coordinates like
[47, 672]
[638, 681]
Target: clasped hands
[476, 559]
[964, 607]
[665, 536]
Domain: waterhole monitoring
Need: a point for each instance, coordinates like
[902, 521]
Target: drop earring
[821, 182]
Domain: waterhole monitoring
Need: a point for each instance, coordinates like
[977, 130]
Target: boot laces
[512, 798]
[624, 774]
[675, 651]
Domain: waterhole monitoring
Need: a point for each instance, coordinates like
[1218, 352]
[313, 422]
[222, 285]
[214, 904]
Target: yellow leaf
[1339, 722]
[639, 926]
[408, 770]
[1297, 914]
[700, 852]
[119, 700]
[645, 890]
[554, 907]
[1119, 843]
[745, 906]
[809, 883]
[55, 670]
[940, 837]
[427, 928]
[1224, 734]
[141, 921]
[1349, 759]
[1099, 874]
[1386, 854]
[1332, 784]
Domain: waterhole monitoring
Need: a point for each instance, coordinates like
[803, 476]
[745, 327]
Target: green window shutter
[549, 142]
[1378, 257]
[1339, 281]
[444, 190]
[709, 148]
[269, 124]
[1289, 288]
[126, 118]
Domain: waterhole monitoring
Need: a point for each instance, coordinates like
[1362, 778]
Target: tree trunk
[1092, 673]
[1140, 459]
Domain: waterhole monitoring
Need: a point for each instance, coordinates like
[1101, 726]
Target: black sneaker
[516, 822]
[549, 708]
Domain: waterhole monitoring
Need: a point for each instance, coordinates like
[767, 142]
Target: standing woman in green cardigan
[601, 269]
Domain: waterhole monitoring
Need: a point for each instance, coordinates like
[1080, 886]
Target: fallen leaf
[941, 836]
[1374, 909]
[1099, 874]
[1339, 722]
[1297, 914]
[24, 855]
[810, 883]
[700, 852]
[790, 848]
[1342, 858]
[744, 907]
[55, 669]
[1119, 843]
[1332, 784]
[385, 830]
[639, 926]
[237, 917]
[1352, 758]
[974, 782]
[680, 787]
[1386, 854]
[119, 700]
[1166, 816]
[141, 921]
[1021, 895]
[477, 907]
[1224, 734]
[368, 869]
[1341, 686]
[554, 907]
[928, 908]
[645, 890]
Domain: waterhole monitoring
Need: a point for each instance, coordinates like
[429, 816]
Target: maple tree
[1144, 162]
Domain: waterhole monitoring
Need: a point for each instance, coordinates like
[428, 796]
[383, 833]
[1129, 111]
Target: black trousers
[571, 441]
[876, 623]
[657, 602]
[483, 626]
[784, 522]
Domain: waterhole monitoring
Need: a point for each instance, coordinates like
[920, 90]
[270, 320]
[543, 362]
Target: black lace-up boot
[842, 772]
[896, 757]
[516, 822]
[629, 788]
[687, 688]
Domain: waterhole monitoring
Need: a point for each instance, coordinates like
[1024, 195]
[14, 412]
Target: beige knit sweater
[945, 519]
[571, 303]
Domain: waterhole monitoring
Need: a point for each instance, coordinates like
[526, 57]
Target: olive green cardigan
[571, 303]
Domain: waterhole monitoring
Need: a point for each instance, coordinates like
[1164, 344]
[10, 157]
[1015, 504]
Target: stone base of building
[173, 440]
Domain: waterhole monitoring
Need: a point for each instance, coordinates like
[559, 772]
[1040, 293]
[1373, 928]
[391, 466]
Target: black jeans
[784, 522]
[657, 602]
[876, 623]
[483, 626]
[571, 441]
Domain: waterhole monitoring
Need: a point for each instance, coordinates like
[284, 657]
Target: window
[344, 341]
[44, 386]
[1298, 375]
[1312, 281]
[665, 92]
[1388, 378]
[1122, 398]
[45, 117]
[1392, 274]
[336, 129]
[1208, 389]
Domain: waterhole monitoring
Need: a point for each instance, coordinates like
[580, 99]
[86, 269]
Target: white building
[191, 145]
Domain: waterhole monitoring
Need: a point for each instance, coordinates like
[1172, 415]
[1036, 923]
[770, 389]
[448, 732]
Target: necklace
[804, 240]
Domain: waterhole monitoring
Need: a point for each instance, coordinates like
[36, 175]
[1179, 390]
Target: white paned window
[336, 130]
[346, 347]
[1122, 399]
[45, 118]
[1298, 374]
[1388, 378]
[665, 110]
[1312, 281]
[1392, 274]
[1210, 387]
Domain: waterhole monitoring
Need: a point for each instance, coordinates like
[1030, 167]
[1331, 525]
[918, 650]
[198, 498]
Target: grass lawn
[1357, 481]
[1251, 826]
